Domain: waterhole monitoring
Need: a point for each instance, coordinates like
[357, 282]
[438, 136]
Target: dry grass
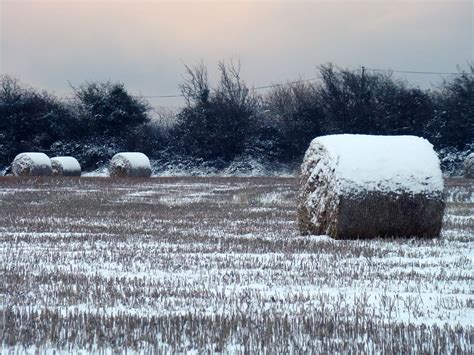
[130, 164]
[65, 166]
[211, 264]
[363, 214]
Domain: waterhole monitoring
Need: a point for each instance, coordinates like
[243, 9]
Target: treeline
[231, 123]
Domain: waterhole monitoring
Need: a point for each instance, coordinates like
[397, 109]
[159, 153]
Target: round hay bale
[130, 164]
[361, 186]
[65, 166]
[469, 166]
[31, 164]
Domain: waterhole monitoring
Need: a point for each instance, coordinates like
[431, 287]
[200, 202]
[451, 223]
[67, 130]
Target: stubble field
[214, 264]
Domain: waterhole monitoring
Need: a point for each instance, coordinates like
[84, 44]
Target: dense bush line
[230, 125]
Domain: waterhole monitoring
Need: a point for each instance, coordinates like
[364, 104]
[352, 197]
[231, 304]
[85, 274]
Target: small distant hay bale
[31, 164]
[469, 166]
[360, 186]
[65, 166]
[130, 164]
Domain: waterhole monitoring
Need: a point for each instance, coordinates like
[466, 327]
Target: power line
[313, 79]
[411, 72]
[296, 82]
[283, 84]
[158, 96]
[253, 88]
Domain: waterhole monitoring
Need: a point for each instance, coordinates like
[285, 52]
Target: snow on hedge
[366, 186]
[65, 166]
[31, 164]
[130, 164]
[469, 166]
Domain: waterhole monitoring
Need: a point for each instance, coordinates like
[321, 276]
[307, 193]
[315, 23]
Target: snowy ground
[216, 264]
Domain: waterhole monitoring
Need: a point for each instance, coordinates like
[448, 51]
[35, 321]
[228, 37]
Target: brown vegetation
[130, 165]
[216, 264]
[330, 204]
[65, 166]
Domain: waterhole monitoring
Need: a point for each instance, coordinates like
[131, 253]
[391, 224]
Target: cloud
[144, 44]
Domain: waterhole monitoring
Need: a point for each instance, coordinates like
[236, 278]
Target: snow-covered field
[216, 264]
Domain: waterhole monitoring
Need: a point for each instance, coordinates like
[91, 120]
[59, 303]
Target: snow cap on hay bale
[361, 186]
[65, 166]
[130, 165]
[469, 166]
[31, 164]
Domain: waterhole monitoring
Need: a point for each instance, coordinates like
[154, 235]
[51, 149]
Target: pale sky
[144, 44]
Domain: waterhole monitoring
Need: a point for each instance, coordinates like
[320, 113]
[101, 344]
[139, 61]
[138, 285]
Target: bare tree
[195, 87]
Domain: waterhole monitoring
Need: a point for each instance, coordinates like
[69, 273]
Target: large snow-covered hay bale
[361, 186]
[469, 166]
[65, 166]
[130, 165]
[31, 164]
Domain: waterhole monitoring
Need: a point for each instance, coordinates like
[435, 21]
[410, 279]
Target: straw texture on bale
[469, 166]
[357, 186]
[31, 164]
[130, 164]
[65, 166]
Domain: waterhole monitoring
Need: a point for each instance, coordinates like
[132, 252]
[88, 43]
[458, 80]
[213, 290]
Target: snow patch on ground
[220, 256]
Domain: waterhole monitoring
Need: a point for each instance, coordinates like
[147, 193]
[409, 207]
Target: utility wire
[158, 96]
[253, 88]
[297, 82]
[411, 72]
[313, 79]
[283, 84]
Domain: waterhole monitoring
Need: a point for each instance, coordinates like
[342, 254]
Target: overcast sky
[144, 44]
